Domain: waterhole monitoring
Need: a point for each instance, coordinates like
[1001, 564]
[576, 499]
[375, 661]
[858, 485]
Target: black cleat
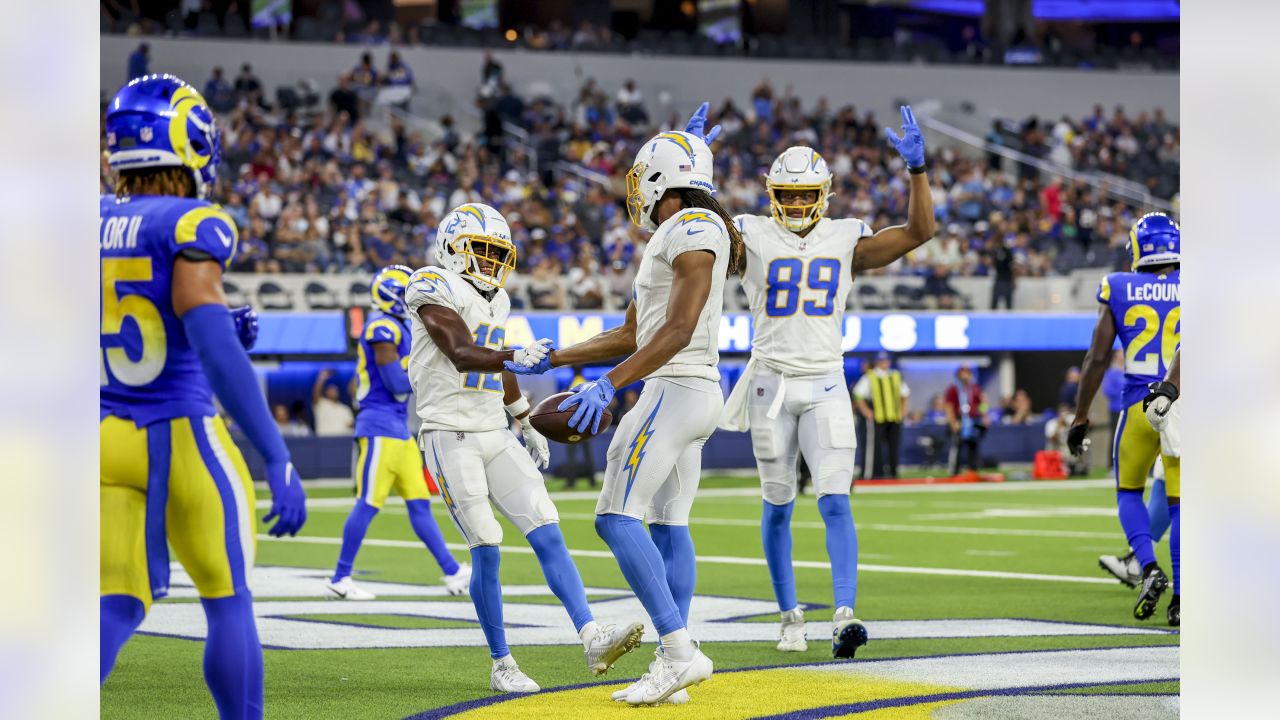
[1123, 568]
[1154, 583]
[1174, 613]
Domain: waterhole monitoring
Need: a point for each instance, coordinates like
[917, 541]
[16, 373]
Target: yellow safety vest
[886, 396]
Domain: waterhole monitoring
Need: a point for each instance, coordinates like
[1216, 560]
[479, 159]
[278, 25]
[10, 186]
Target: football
[554, 424]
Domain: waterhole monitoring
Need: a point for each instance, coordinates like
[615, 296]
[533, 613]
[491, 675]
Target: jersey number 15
[782, 286]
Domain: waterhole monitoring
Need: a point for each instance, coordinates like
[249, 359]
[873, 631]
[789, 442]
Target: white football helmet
[798, 168]
[474, 241]
[668, 160]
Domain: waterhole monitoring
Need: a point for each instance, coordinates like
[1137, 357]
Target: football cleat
[667, 677]
[1154, 583]
[1174, 613]
[507, 677]
[609, 644]
[847, 634]
[791, 638]
[458, 583]
[1125, 568]
[345, 589]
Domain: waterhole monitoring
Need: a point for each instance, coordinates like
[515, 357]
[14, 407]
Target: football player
[170, 475]
[1126, 568]
[458, 310]
[386, 458]
[1156, 405]
[670, 338]
[800, 269]
[1144, 308]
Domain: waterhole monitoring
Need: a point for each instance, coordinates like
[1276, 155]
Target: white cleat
[792, 637]
[670, 676]
[609, 644]
[1125, 568]
[458, 583]
[345, 589]
[507, 677]
[678, 697]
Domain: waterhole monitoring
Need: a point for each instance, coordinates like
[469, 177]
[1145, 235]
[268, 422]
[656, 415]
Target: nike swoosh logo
[339, 594]
[695, 232]
[827, 388]
[225, 238]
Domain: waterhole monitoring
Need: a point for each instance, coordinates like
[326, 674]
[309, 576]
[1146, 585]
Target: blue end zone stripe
[159, 452]
[230, 515]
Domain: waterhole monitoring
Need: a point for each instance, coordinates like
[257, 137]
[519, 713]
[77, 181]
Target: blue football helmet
[387, 290]
[1155, 240]
[161, 121]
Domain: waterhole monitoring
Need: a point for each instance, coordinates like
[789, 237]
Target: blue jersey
[1148, 315]
[378, 412]
[148, 370]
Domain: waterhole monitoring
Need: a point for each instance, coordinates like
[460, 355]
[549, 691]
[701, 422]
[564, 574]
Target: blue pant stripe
[1115, 445]
[159, 451]
[230, 516]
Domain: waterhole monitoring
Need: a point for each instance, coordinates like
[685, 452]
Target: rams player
[459, 313]
[1144, 308]
[800, 269]
[386, 458]
[670, 336]
[170, 475]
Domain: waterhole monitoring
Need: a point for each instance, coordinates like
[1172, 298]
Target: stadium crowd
[350, 187]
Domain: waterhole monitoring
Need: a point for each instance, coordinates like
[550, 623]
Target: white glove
[1158, 412]
[534, 354]
[535, 443]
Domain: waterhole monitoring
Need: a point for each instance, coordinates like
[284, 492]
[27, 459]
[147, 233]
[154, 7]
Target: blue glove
[537, 368]
[592, 398]
[698, 121]
[911, 145]
[288, 500]
[246, 321]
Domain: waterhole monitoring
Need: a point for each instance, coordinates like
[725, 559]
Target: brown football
[554, 424]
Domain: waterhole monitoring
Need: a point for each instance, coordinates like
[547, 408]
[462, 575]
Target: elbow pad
[396, 380]
[212, 335]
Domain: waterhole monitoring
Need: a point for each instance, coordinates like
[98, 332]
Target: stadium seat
[320, 297]
[906, 297]
[871, 298]
[235, 296]
[271, 296]
[359, 294]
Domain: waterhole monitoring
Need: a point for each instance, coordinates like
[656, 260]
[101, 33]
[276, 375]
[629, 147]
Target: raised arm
[607, 345]
[689, 290]
[893, 242]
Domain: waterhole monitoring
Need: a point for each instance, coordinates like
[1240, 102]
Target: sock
[1136, 524]
[642, 566]
[1158, 511]
[119, 616]
[842, 547]
[561, 574]
[233, 656]
[486, 595]
[775, 531]
[588, 631]
[352, 535]
[424, 525]
[675, 544]
[678, 645]
[1175, 546]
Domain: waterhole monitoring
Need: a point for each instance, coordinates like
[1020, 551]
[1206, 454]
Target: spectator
[631, 104]
[491, 71]
[1001, 258]
[332, 416]
[289, 424]
[139, 61]
[365, 75]
[938, 287]
[399, 75]
[247, 84]
[343, 99]
[1055, 439]
[881, 397]
[965, 412]
[1019, 410]
[218, 92]
[1070, 385]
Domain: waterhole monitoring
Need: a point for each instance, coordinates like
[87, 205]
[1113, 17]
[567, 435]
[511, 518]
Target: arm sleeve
[427, 286]
[396, 380]
[695, 230]
[206, 232]
[212, 335]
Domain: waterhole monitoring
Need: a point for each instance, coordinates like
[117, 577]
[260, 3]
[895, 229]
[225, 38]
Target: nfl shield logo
[145, 134]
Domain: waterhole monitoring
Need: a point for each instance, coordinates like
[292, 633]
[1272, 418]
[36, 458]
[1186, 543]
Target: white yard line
[728, 560]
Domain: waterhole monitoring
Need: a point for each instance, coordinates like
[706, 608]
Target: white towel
[735, 417]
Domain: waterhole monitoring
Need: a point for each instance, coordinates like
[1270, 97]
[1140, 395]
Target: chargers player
[670, 336]
[800, 269]
[459, 313]
[1156, 405]
[170, 475]
[1144, 308]
[386, 457]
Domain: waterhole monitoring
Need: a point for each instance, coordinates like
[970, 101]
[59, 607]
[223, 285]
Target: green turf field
[982, 563]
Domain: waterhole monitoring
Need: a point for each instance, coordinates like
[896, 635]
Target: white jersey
[798, 287]
[683, 232]
[448, 399]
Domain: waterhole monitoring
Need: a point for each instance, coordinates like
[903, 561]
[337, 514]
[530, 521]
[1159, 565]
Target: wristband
[518, 407]
[917, 170]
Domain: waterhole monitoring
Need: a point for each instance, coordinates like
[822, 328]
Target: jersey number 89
[782, 286]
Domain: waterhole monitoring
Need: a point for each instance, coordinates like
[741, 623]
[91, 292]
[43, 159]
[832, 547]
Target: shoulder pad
[383, 330]
[432, 285]
[206, 228]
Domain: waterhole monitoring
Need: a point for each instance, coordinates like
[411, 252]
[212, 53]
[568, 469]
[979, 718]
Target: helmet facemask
[489, 259]
[640, 207]
[811, 213]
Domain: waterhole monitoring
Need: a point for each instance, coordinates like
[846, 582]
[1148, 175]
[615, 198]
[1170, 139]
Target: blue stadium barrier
[330, 457]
